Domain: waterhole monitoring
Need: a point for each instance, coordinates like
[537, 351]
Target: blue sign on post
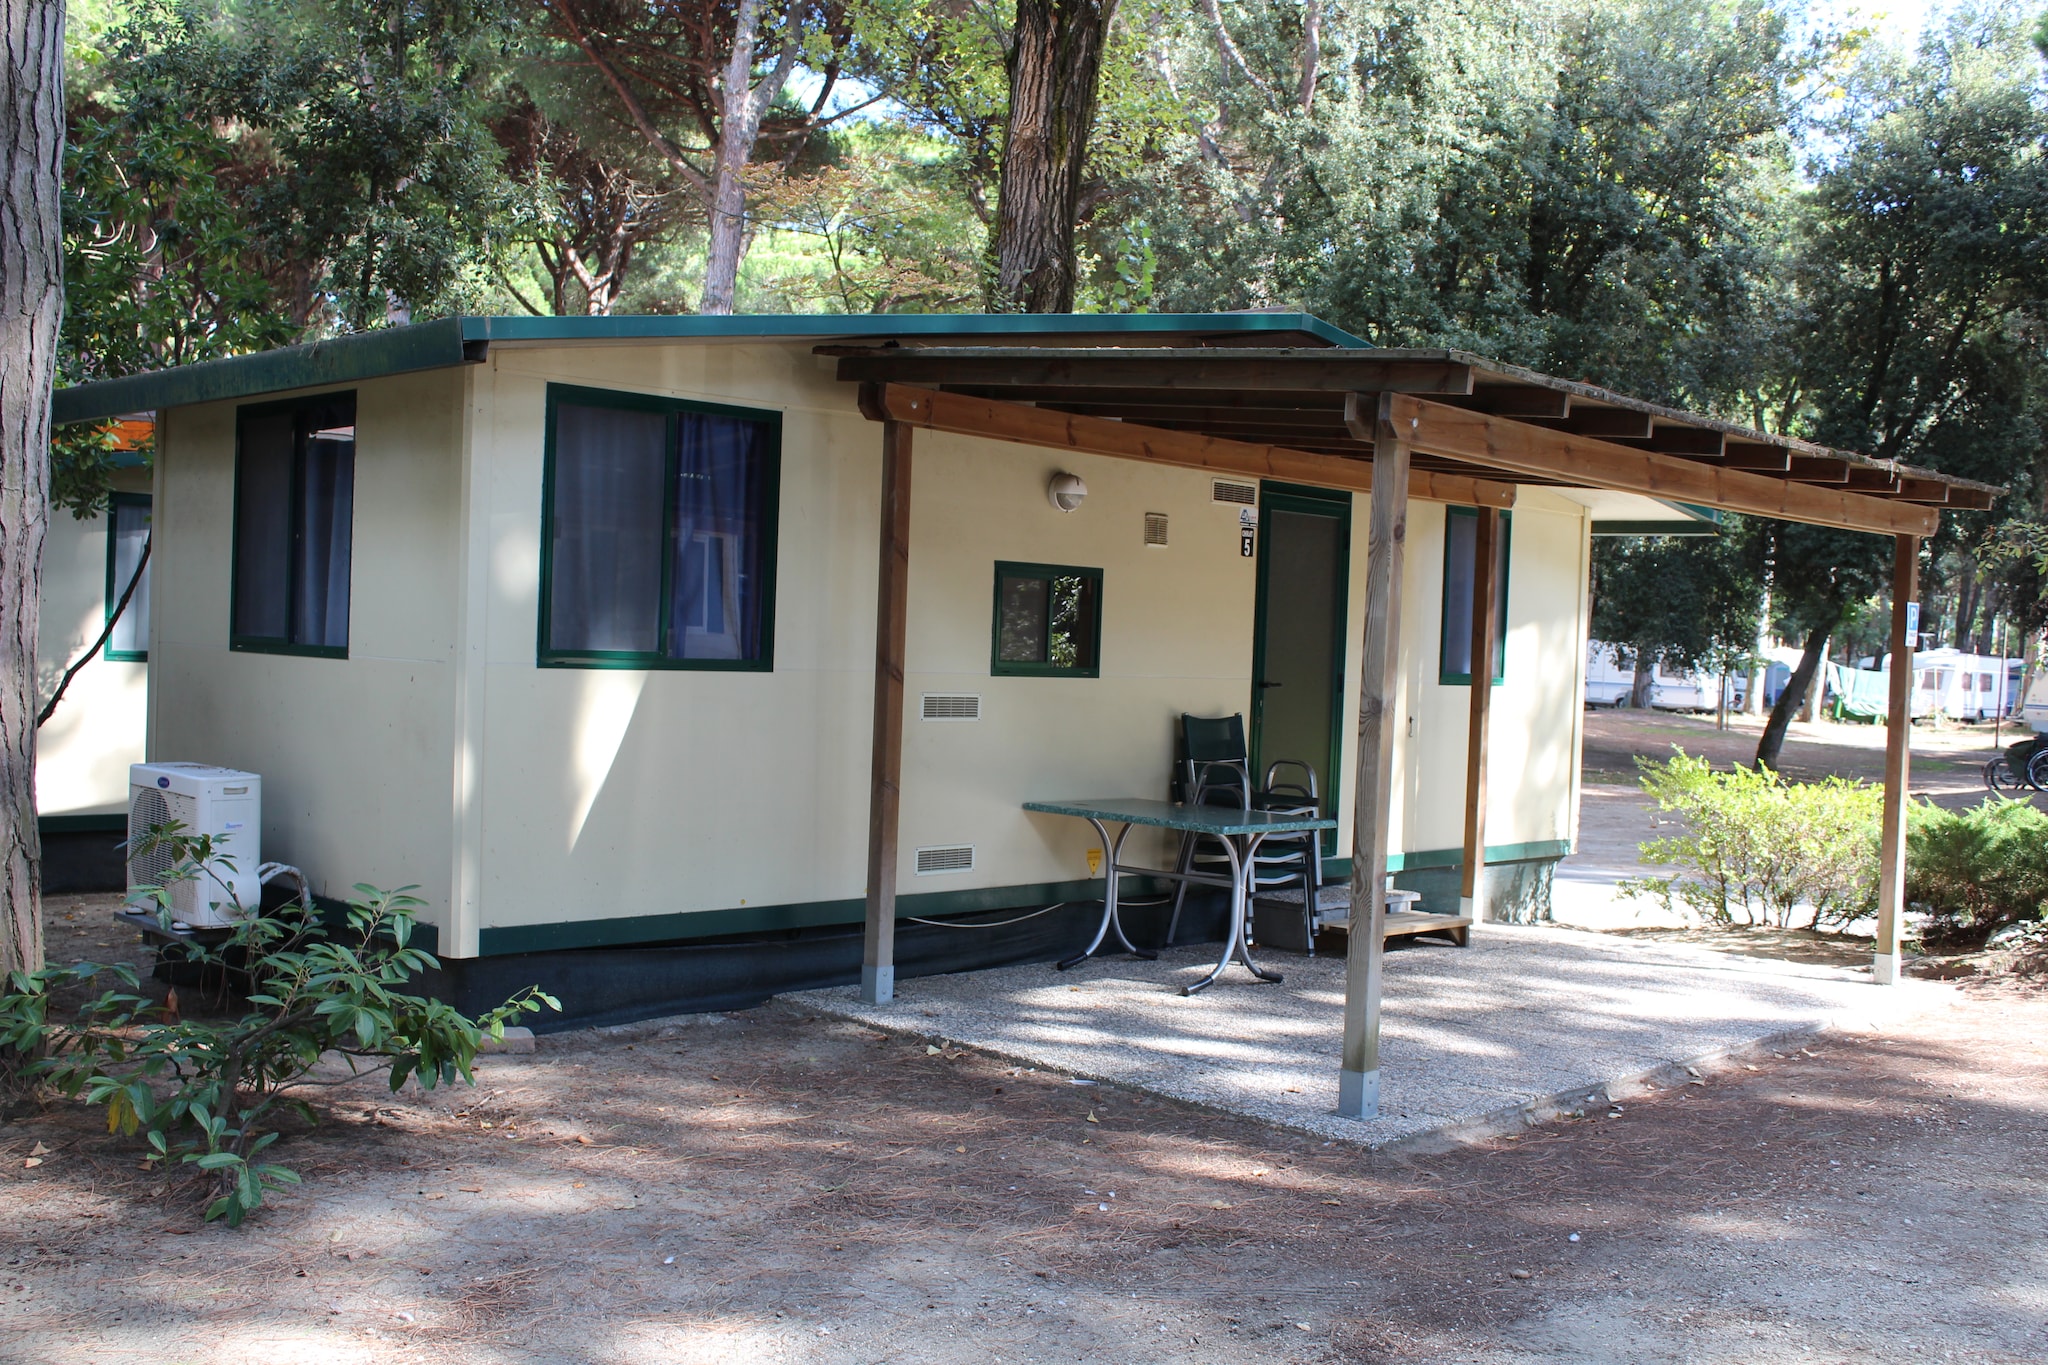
[1912, 625]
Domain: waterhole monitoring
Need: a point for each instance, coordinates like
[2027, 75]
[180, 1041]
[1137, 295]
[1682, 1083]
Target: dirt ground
[1948, 760]
[770, 1186]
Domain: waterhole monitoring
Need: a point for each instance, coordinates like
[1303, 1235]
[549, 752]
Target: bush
[1759, 847]
[1975, 871]
[207, 1093]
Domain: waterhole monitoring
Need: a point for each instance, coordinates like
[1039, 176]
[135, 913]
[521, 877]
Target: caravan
[1608, 683]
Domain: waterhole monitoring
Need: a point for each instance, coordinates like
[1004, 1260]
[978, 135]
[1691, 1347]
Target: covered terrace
[1401, 424]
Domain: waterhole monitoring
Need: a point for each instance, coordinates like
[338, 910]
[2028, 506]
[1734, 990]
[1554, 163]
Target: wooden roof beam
[1609, 423]
[1817, 469]
[1520, 400]
[1677, 440]
[1519, 448]
[997, 420]
[1756, 456]
[1931, 491]
[1867, 479]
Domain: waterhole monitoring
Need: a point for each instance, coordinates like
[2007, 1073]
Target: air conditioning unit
[202, 799]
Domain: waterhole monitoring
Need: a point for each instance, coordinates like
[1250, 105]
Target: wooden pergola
[1431, 424]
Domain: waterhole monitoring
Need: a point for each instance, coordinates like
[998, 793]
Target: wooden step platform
[1411, 923]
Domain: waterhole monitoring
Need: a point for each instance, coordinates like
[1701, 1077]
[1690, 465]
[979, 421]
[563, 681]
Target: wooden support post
[1898, 755]
[1485, 626]
[1358, 1084]
[892, 611]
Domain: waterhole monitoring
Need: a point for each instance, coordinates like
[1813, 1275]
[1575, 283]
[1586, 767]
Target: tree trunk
[31, 300]
[1790, 700]
[1644, 683]
[1055, 56]
[739, 125]
[1816, 696]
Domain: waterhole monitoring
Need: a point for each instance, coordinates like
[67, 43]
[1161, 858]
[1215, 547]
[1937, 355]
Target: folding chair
[1216, 771]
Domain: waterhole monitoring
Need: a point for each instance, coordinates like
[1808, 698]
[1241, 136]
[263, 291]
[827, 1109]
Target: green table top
[1194, 819]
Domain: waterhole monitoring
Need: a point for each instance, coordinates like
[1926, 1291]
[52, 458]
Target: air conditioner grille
[945, 858]
[952, 706]
[1155, 528]
[1239, 494]
[148, 809]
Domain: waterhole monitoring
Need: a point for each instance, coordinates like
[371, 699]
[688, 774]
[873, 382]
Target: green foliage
[1975, 871]
[206, 1093]
[1684, 602]
[1756, 846]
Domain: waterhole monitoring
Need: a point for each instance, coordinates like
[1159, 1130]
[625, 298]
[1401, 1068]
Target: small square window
[660, 523]
[127, 534]
[295, 473]
[1461, 536]
[1048, 621]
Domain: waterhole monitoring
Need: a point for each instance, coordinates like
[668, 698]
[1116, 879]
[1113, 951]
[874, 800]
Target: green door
[1298, 635]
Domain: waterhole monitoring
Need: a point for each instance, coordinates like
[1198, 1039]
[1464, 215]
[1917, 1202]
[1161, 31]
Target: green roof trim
[459, 340]
[339, 360]
[1655, 528]
[1699, 521]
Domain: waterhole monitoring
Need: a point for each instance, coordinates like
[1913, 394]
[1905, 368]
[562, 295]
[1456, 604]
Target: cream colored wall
[440, 754]
[636, 793]
[612, 793]
[355, 753]
[83, 753]
[1534, 723]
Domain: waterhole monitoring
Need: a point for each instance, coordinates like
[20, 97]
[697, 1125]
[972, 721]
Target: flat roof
[465, 340]
[1304, 400]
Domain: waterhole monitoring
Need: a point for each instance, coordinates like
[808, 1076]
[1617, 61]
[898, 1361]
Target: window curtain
[263, 525]
[1461, 533]
[609, 473]
[327, 504]
[719, 538]
[128, 524]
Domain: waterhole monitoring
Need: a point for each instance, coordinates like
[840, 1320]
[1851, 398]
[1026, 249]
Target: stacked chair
[1216, 771]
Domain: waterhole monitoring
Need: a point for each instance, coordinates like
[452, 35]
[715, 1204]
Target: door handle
[1268, 684]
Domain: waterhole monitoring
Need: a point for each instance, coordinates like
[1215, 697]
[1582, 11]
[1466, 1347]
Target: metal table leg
[1112, 854]
[1240, 903]
[1244, 914]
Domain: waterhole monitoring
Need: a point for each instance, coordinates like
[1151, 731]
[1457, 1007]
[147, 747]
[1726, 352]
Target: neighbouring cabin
[99, 728]
[571, 623]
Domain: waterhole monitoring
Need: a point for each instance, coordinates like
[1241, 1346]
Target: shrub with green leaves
[1757, 848]
[207, 1093]
[1974, 871]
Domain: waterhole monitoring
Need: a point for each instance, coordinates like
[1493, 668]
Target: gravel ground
[776, 1186]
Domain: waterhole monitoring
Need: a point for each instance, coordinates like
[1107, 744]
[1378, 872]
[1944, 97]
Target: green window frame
[1447, 675]
[766, 509]
[307, 417]
[120, 508]
[1082, 655]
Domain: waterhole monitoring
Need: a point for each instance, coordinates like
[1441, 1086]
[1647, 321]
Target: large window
[1048, 621]
[127, 533]
[659, 533]
[295, 474]
[1461, 533]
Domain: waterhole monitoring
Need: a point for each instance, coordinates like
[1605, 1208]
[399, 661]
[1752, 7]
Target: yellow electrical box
[1095, 862]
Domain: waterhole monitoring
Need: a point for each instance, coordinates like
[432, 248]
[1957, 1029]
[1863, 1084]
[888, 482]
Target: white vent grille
[1155, 528]
[1236, 494]
[945, 858]
[952, 706]
[150, 809]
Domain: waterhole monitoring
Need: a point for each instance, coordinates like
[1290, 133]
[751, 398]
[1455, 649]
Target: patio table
[1240, 833]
